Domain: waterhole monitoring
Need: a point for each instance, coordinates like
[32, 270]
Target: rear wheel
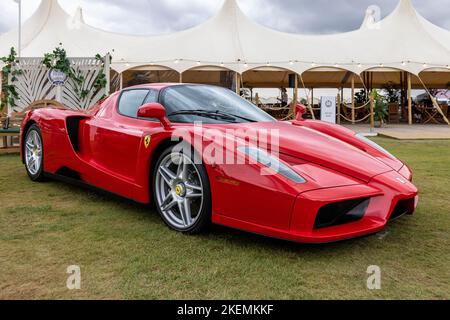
[34, 153]
[182, 192]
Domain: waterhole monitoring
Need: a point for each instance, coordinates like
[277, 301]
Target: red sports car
[204, 155]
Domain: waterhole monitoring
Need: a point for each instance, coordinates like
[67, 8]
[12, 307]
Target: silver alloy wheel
[33, 152]
[179, 191]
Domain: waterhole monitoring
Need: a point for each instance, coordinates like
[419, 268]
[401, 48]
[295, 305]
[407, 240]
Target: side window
[151, 97]
[130, 101]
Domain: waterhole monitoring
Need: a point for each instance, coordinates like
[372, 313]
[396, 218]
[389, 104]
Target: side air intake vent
[73, 127]
[341, 212]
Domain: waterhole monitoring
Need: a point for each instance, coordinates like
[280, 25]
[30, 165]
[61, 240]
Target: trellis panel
[33, 83]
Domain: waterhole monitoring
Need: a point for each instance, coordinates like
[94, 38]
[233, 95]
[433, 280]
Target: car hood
[313, 146]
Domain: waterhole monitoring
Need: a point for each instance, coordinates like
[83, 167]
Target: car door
[115, 140]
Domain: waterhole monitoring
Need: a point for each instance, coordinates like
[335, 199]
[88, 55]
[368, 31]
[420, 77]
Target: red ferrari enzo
[203, 155]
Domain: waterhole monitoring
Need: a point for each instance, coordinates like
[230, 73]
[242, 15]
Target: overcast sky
[163, 16]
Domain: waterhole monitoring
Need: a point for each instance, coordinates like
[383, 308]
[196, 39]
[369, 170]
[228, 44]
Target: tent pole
[296, 89]
[295, 98]
[371, 80]
[312, 104]
[338, 109]
[181, 77]
[368, 85]
[405, 93]
[308, 102]
[353, 99]
[401, 92]
[1, 82]
[342, 96]
[372, 115]
[238, 84]
[19, 49]
[410, 116]
[121, 80]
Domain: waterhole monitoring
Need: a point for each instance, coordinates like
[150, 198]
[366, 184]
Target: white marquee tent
[403, 48]
[404, 40]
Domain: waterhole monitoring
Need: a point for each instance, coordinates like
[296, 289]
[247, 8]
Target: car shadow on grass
[216, 233]
[240, 236]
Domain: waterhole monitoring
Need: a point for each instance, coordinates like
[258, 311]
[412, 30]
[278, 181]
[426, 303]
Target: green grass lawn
[125, 251]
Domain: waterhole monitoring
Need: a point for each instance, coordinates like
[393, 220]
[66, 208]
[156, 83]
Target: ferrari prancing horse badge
[147, 140]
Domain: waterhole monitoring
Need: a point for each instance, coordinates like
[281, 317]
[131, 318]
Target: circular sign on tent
[57, 77]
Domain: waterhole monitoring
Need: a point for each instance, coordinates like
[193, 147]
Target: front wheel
[182, 192]
[34, 153]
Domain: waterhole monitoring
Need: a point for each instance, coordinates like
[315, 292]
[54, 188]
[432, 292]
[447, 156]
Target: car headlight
[373, 144]
[272, 162]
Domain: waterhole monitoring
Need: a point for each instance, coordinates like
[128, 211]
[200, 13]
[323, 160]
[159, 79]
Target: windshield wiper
[236, 116]
[205, 113]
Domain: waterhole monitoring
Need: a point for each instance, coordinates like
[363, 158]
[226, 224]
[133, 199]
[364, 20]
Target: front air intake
[341, 213]
[403, 207]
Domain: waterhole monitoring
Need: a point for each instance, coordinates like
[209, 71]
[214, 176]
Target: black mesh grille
[341, 212]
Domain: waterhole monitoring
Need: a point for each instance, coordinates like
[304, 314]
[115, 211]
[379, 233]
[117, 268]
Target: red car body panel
[110, 154]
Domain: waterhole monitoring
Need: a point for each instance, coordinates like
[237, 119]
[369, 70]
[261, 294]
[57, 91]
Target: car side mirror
[300, 110]
[154, 111]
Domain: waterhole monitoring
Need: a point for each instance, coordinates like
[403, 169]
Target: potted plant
[380, 108]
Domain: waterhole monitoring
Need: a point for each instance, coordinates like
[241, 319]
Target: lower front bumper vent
[403, 207]
[341, 212]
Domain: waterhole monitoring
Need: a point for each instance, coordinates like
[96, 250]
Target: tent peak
[230, 4]
[78, 16]
[77, 20]
[371, 18]
[230, 9]
[406, 6]
[51, 4]
[48, 9]
[405, 3]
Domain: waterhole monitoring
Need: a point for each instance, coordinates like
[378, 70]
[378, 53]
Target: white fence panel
[33, 84]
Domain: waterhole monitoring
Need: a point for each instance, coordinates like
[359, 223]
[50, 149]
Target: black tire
[203, 220]
[37, 176]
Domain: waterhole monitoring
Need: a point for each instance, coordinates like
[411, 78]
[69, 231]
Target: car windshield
[209, 104]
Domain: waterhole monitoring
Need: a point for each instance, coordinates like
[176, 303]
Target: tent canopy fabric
[403, 41]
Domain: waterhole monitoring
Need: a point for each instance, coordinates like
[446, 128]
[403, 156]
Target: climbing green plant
[58, 60]
[9, 71]
[100, 82]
